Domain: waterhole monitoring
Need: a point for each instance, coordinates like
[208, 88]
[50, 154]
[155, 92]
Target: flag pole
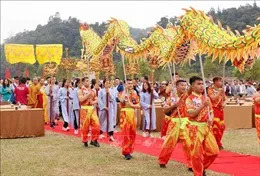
[123, 61]
[174, 89]
[204, 85]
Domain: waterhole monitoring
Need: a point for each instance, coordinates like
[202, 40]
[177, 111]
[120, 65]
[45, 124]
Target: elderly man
[34, 90]
[250, 90]
[235, 89]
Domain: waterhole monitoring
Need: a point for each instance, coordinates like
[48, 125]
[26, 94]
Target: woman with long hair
[147, 97]
[65, 98]
[6, 91]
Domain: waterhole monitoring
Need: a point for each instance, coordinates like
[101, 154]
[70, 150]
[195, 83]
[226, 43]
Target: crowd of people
[91, 106]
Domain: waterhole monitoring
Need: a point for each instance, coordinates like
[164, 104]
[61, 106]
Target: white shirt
[242, 89]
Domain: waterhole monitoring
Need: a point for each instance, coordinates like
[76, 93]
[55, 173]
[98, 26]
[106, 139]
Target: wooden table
[237, 116]
[23, 122]
[159, 117]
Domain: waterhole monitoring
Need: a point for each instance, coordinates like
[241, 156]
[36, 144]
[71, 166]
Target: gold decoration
[50, 69]
[132, 68]
[153, 62]
[82, 66]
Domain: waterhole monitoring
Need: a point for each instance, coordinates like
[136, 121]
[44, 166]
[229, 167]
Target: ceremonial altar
[21, 122]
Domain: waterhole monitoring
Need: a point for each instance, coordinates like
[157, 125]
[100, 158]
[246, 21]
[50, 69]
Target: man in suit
[235, 89]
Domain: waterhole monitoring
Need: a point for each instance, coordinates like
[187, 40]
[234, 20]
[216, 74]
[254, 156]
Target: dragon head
[84, 27]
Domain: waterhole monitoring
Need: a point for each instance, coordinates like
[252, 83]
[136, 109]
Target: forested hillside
[66, 32]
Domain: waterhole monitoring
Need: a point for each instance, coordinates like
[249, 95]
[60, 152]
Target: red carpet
[227, 162]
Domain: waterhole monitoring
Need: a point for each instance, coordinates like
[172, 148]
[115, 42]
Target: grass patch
[57, 154]
[242, 141]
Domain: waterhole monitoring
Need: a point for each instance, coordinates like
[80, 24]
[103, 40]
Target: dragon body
[196, 34]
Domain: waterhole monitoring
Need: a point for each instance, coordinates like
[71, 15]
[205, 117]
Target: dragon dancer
[88, 115]
[217, 98]
[129, 102]
[203, 147]
[177, 128]
[256, 99]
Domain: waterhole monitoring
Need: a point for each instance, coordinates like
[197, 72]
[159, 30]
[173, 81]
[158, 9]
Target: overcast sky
[17, 16]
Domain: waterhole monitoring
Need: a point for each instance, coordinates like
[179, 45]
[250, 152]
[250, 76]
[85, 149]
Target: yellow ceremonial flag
[15, 53]
[49, 53]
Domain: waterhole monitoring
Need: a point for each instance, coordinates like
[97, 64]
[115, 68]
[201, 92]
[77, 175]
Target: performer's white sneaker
[150, 135]
[68, 128]
[76, 132]
[144, 134]
[101, 136]
[64, 129]
[163, 138]
[89, 134]
[112, 139]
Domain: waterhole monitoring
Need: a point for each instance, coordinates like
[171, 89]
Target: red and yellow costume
[203, 148]
[166, 120]
[128, 123]
[165, 123]
[217, 100]
[177, 130]
[257, 114]
[88, 117]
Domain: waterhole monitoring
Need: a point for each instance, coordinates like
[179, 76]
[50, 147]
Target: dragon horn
[114, 19]
[219, 24]
[187, 10]
[211, 18]
[193, 10]
[237, 32]
[228, 29]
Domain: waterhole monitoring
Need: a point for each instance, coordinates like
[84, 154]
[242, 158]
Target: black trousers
[110, 133]
[75, 121]
[65, 125]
